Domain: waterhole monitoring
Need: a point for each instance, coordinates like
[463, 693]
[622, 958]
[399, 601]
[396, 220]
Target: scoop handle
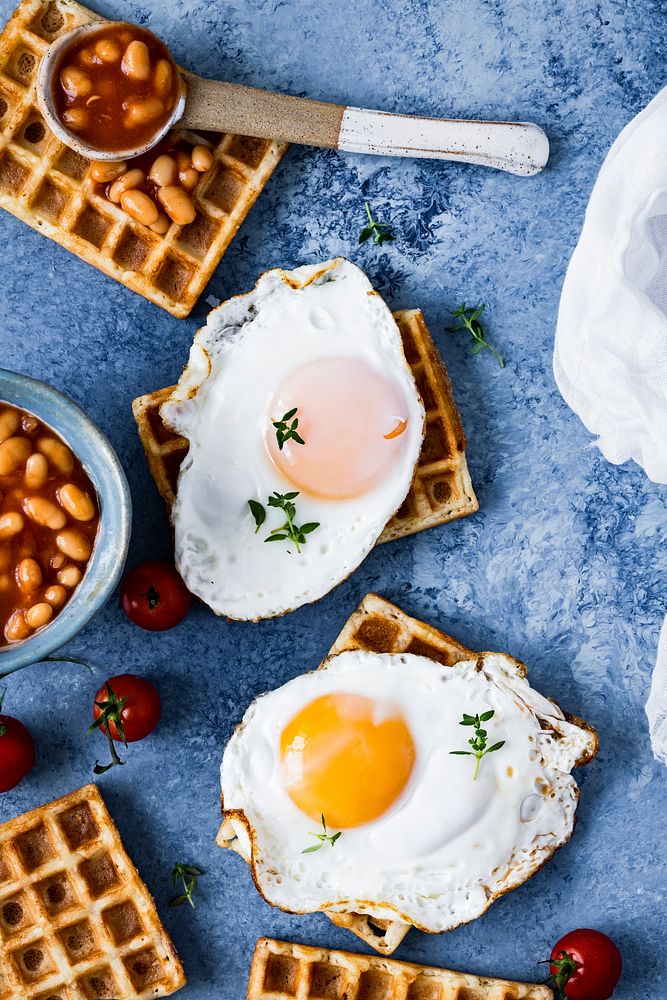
[517, 147]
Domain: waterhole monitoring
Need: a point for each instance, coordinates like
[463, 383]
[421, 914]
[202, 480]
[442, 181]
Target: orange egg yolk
[352, 420]
[346, 757]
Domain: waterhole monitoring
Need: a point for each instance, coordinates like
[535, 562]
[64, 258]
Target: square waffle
[441, 489]
[379, 626]
[45, 184]
[284, 971]
[76, 921]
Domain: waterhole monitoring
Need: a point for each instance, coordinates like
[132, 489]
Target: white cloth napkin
[610, 357]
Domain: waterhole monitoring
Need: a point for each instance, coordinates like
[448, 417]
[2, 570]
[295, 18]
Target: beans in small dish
[116, 87]
[49, 516]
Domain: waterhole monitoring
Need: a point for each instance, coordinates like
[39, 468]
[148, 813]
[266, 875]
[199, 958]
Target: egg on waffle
[304, 426]
[368, 761]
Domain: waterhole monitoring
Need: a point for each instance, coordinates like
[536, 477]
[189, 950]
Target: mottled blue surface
[564, 565]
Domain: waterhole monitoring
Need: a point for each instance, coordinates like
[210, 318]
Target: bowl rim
[107, 561]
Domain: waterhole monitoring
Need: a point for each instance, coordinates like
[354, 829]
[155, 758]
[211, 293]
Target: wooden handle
[517, 147]
[232, 107]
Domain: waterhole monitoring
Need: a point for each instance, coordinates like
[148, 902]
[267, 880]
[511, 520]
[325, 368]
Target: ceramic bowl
[108, 558]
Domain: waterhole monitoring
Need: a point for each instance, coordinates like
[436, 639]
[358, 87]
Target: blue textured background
[565, 564]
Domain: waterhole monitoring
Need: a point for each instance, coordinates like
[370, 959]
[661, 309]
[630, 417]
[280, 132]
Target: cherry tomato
[17, 752]
[585, 965]
[132, 700]
[154, 597]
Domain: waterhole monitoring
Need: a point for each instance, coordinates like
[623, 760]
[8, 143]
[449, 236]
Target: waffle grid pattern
[282, 971]
[76, 921]
[441, 490]
[45, 184]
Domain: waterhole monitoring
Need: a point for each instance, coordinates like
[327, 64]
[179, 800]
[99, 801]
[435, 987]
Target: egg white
[238, 360]
[449, 845]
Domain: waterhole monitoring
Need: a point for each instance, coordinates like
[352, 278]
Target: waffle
[45, 184]
[76, 921]
[441, 489]
[379, 626]
[295, 971]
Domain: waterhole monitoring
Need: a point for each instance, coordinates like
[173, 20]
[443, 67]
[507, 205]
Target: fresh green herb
[478, 742]
[67, 659]
[289, 531]
[187, 875]
[323, 838]
[470, 322]
[258, 512]
[381, 232]
[286, 431]
[112, 711]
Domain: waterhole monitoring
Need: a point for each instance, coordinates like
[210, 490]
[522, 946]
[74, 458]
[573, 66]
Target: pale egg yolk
[352, 420]
[346, 757]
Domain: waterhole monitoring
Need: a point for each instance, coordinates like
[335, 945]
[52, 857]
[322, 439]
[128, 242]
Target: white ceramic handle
[518, 147]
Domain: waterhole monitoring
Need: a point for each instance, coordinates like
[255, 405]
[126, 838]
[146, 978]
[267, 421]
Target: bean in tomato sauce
[49, 516]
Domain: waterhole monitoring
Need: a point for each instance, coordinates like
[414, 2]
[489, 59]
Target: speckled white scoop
[449, 844]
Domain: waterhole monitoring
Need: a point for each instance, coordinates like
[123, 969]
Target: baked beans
[117, 87]
[202, 159]
[140, 207]
[104, 172]
[49, 518]
[165, 177]
[132, 179]
[178, 204]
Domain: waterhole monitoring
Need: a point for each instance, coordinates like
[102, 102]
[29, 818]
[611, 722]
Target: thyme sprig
[381, 232]
[288, 531]
[187, 875]
[478, 741]
[324, 838]
[286, 428]
[470, 321]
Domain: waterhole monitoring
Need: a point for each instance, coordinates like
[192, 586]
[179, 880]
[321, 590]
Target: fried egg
[361, 752]
[317, 346]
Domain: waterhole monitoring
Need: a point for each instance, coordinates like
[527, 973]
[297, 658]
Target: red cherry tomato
[586, 965]
[17, 752]
[131, 699]
[154, 597]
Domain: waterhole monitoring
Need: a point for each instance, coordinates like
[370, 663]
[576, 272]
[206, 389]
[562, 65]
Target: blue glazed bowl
[113, 536]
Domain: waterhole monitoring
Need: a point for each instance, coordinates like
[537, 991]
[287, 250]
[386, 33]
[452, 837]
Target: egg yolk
[352, 420]
[346, 757]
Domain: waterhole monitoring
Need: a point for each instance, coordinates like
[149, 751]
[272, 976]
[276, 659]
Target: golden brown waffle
[441, 490]
[44, 183]
[379, 626]
[284, 971]
[76, 921]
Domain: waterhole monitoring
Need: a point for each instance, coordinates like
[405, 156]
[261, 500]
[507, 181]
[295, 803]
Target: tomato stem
[565, 966]
[111, 712]
[115, 759]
